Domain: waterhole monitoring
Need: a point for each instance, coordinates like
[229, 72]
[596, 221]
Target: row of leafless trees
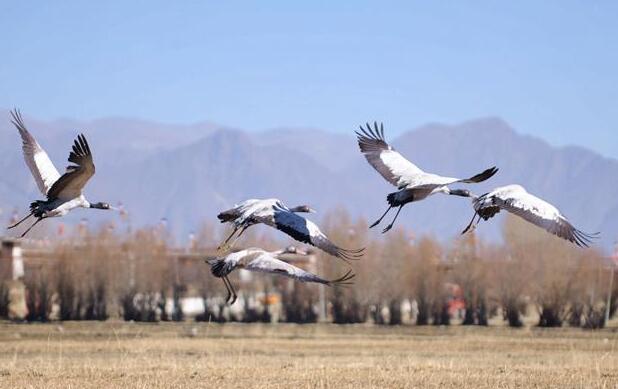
[401, 279]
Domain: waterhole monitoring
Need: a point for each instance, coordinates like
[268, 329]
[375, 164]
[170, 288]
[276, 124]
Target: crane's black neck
[460, 192]
[99, 205]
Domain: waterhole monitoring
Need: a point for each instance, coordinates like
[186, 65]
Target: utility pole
[321, 291]
[609, 294]
[612, 270]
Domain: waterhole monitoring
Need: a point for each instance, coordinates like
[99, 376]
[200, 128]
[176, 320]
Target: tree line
[104, 274]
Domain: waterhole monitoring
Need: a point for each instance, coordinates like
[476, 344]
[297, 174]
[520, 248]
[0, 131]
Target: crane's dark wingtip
[16, 119]
[15, 113]
[344, 280]
[485, 175]
[583, 239]
[350, 255]
[371, 138]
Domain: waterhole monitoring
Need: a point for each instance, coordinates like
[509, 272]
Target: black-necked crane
[516, 200]
[64, 193]
[258, 260]
[274, 213]
[413, 183]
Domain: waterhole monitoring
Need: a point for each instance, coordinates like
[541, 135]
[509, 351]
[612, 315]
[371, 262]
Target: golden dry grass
[122, 355]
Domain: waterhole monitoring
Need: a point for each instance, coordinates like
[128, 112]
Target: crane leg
[393, 222]
[227, 288]
[231, 298]
[231, 235]
[238, 236]
[471, 225]
[224, 246]
[21, 221]
[381, 217]
[29, 228]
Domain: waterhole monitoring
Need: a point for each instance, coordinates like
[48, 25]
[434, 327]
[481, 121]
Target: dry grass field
[123, 355]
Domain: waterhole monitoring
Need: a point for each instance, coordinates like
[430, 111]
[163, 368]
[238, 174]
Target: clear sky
[549, 68]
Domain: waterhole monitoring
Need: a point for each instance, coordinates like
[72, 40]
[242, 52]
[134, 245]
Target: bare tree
[471, 273]
[348, 305]
[429, 283]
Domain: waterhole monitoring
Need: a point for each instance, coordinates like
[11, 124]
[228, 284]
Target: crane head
[101, 205]
[303, 209]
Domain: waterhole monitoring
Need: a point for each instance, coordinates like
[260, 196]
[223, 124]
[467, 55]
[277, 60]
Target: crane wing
[267, 263]
[434, 180]
[389, 163]
[542, 214]
[71, 183]
[306, 231]
[41, 167]
[398, 170]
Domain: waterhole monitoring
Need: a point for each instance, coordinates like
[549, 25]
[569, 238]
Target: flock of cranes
[65, 193]
[415, 185]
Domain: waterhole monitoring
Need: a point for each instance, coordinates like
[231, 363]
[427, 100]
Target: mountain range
[188, 173]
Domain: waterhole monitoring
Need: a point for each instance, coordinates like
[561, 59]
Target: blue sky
[548, 68]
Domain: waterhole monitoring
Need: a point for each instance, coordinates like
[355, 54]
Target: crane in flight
[274, 213]
[413, 184]
[516, 200]
[258, 260]
[63, 192]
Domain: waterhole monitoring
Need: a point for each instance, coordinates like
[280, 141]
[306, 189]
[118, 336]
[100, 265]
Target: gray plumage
[274, 213]
[516, 200]
[258, 260]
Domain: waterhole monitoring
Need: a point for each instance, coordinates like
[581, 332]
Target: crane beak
[311, 210]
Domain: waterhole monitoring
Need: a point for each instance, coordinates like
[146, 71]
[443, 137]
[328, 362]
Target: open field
[94, 354]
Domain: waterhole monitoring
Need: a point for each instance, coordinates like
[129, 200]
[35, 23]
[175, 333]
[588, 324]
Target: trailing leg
[393, 222]
[33, 224]
[232, 293]
[381, 217]
[21, 221]
[471, 225]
